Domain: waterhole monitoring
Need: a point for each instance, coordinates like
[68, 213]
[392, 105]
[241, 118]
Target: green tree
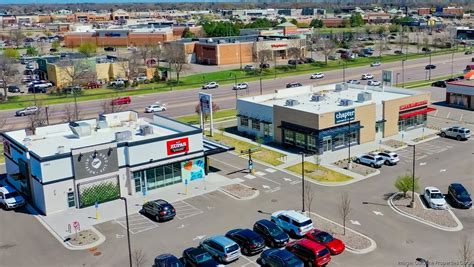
[88, 49]
[283, 20]
[356, 20]
[260, 23]
[404, 183]
[188, 34]
[11, 53]
[346, 23]
[56, 44]
[31, 51]
[316, 23]
[294, 21]
[219, 28]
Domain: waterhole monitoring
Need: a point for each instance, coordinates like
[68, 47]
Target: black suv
[439, 84]
[295, 84]
[264, 65]
[249, 241]
[159, 209]
[273, 235]
[198, 257]
[460, 196]
[430, 67]
[110, 49]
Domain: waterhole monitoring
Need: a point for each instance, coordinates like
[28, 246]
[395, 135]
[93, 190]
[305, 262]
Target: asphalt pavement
[183, 102]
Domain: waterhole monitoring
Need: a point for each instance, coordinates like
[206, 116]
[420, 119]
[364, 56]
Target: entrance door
[327, 143]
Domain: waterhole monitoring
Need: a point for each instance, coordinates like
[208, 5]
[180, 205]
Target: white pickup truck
[119, 82]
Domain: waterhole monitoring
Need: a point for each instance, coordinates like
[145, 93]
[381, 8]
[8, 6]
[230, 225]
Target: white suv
[435, 198]
[390, 158]
[367, 76]
[292, 222]
[373, 161]
[457, 132]
[210, 85]
[10, 198]
[155, 108]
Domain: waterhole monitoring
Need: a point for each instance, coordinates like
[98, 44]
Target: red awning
[416, 112]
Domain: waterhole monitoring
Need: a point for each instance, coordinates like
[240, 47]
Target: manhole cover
[98, 253]
[273, 200]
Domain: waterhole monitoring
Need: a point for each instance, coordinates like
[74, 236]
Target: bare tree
[345, 208]
[465, 252]
[309, 196]
[38, 119]
[8, 74]
[109, 107]
[175, 54]
[263, 57]
[144, 52]
[3, 122]
[70, 113]
[157, 53]
[215, 108]
[139, 258]
[327, 47]
[294, 53]
[78, 72]
[17, 36]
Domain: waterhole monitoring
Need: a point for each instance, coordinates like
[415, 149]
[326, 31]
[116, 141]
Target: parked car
[318, 75]
[210, 85]
[250, 242]
[240, 86]
[398, 52]
[371, 160]
[439, 84]
[374, 83]
[123, 100]
[249, 67]
[71, 89]
[198, 257]
[308, 60]
[375, 64]
[92, 85]
[27, 111]
[119, 82]
[141, 79]
[264, 65]
[367, 76]
[155, 108]
[292, 222]
[460, 133]
[12, 88]
[280, 258]
[29, 66]
[273, 235]
[110, 49]
[310, 252]
[334, 245]
[390, 158]
[53, 50]
[353, 82]
[435, 198]
[460, 196]
[293, 84]
[225, 250]
[167, 260]
[159, 209]
[10, 198]
[468, 52]
[430, 67]
[425, 49]
[28, 72]
[26, 79]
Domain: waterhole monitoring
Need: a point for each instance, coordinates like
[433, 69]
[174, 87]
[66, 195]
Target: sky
[100, 1]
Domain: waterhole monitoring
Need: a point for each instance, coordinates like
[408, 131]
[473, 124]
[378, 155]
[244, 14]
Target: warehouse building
[460, 94]
[75, 165]
[328, 118]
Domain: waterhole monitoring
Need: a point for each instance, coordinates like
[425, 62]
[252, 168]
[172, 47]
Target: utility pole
[302, 180]
[403, 73]
[261, 92]
[343, 71]
[429, 75]
[128, 231]
[412, 203]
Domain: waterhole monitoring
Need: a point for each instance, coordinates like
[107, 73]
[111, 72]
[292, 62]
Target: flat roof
[468, 83]
[331, 98]
[48, 139]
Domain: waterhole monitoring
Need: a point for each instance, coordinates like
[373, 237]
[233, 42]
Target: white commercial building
[75, 165]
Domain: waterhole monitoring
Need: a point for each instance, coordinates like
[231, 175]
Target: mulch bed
[393, 143]
[82, 238]
[239, 190]
[357, 168]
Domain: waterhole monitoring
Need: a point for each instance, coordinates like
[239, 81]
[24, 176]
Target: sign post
[96, 205]
[186, 186]
[144, 194]
[205, 103]
[77, 227]
[387, 77]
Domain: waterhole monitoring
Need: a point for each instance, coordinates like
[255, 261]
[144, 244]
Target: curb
[371, 248]
[58, 237]
[459, 226]
[234, 196]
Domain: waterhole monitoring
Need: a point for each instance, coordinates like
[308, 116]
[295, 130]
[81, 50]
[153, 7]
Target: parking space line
[249, 261]
[185, 210]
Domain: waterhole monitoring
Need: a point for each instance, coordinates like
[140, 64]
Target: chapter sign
[177, 146]
[344, 116]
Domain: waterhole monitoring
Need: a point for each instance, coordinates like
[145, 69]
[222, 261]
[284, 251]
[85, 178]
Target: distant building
[460, 94]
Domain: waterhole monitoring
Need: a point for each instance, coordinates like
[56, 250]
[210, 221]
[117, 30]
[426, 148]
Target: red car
[92, 85]
[310, 252]
[121, 100]
[334, 245]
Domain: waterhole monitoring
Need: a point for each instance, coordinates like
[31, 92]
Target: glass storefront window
[338, 140]
[311, 143]
[244, 121]
[300, 140]
[256, 125]
[412, 122]
[289, 137]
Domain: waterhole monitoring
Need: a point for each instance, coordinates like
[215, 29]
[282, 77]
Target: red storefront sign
[177, 146]
[278, 45]
[414, 104]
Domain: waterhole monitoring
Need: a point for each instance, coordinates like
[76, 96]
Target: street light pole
[412, 203]
[429, 77]
[302, 180]
[396, 79]
[349, 161]
[452, 63]
[128, 231]
[403, 73]
[261, 86]
[343, 72]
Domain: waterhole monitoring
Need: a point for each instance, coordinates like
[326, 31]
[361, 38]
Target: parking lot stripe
[270, 170]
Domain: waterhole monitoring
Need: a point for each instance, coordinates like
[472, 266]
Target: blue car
[279, 258]
[167, 260]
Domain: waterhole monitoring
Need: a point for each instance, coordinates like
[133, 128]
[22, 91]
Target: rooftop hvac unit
[364, 96]
[317, 97]
[341, 87]
[102, 124]
[346, 102]
[80, 129]
[291, 102]
[123, 136]
[146, 130]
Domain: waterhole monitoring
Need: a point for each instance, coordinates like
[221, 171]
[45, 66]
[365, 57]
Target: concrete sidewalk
[59, 223]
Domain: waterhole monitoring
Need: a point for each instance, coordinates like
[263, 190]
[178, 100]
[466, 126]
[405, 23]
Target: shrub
[404, 183]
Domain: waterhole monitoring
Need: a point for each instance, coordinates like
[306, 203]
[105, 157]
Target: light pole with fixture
[128, 231]
[412, 203]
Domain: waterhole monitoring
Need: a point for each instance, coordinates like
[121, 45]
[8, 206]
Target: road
[183, 102]
[398, 239]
